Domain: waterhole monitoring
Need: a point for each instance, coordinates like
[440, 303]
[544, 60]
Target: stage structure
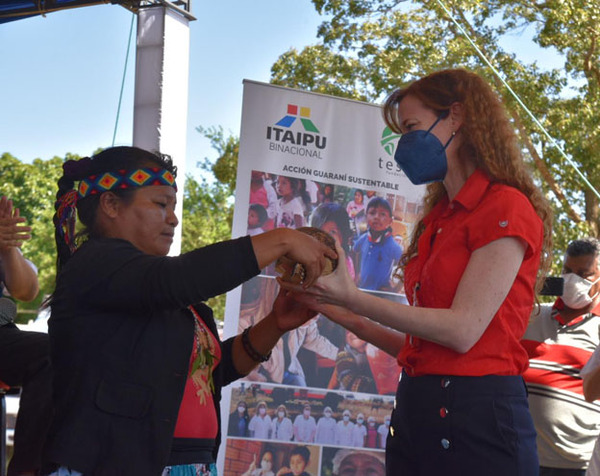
[161, 72]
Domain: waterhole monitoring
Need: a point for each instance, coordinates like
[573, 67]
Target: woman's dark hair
[301, 451]
[379, 202]
[336, 213]
[109, 160]
[261, 213]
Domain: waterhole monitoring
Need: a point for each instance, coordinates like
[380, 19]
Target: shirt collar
[473, 190]
[469, 196]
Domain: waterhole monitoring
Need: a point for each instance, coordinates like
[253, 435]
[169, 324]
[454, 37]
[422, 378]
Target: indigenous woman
[470, 274]
[138, 362]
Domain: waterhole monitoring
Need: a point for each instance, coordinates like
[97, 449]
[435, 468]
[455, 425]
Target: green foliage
[32, 187]
[368, 48]
[208, 204]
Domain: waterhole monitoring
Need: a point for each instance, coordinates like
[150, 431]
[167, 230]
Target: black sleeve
[118, 275]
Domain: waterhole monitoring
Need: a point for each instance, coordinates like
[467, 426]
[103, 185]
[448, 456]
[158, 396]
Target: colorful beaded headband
[122, 179]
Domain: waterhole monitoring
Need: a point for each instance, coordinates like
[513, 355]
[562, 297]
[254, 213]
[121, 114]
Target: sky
[60, 75]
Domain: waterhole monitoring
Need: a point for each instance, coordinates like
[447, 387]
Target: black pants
[25, 363]
[461, 426]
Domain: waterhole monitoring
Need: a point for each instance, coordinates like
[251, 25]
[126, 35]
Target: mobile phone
[553, 286]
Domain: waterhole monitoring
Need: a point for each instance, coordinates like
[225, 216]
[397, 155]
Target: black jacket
[121, 339]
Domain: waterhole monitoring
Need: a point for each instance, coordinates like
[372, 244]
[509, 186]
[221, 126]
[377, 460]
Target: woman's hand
[296, 246]
[12, 232]
[312, 254]
[290, 313]
[337, 288]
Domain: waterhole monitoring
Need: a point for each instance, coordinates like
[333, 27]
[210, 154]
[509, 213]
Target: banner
[321, 404]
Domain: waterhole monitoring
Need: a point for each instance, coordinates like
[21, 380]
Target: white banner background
[326, 140]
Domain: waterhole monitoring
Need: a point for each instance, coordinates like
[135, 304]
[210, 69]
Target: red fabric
[563, 356]
[480, 213]
[559, 305]
[197, 418]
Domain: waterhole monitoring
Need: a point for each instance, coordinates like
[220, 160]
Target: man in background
[559, 340]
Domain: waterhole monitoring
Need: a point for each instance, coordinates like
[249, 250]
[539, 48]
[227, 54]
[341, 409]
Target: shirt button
[445, 443]
[445, 382]
[443, 412]
[392, 430]
[439, 230]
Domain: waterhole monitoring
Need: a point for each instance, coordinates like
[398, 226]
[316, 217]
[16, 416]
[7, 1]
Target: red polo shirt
[480, 213]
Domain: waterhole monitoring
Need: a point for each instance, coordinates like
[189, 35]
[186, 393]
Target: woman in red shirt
[470, 274]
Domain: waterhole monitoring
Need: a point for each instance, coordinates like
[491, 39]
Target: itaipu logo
[389, 139]
[295, 133]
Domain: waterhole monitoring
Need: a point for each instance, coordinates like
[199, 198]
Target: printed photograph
[255, 458]
[318, 354]
[373, 229]
[286, 414]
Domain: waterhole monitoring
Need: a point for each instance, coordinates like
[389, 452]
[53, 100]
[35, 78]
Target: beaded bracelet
[250, 350]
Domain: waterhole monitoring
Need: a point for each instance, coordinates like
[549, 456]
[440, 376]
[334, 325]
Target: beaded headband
[66, 212]
[123, 179]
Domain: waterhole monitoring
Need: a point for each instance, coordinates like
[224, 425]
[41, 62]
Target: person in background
[357, 205]
[372, 435]
[326, 425]
[266, 465]
[377, 252]
[559, 341]
[281, 426]
[471, 272]
[305, 426]
[137, 360]
[292, 202]
[24, 356]
[299, 459]
[358, 463]
[260, 424]
[343, 430]
[239, 420]
[383, 431]
[359, 432]
[257, 217]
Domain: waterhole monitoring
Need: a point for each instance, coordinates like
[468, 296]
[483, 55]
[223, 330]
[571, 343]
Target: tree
[32, 187]
[208, 204]
[370, 47]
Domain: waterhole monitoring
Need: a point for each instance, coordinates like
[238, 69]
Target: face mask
[280, 414]
[306, 413]
[346, 418]
[387, 423]
[328, 414]
[421, 156]
[266, 465]
[241, 409]
[576, 291]
[360, 420]
[262, 411]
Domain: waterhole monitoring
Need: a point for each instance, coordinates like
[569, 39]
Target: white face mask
[346, 418]
[328, 414]
[262, 411]
[576, 291]
[280, 414]
[241, 409]
[360, 420]
[306, 413]
[266, 465]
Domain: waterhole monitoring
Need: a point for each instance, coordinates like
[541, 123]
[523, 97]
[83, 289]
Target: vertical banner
[321, 404]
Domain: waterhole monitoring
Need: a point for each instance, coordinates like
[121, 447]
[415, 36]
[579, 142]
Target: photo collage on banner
[321, 404]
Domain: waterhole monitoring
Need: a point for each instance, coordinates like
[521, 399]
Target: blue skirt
[463, 426]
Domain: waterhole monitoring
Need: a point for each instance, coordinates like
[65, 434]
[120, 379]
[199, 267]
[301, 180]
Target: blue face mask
[421, 155]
